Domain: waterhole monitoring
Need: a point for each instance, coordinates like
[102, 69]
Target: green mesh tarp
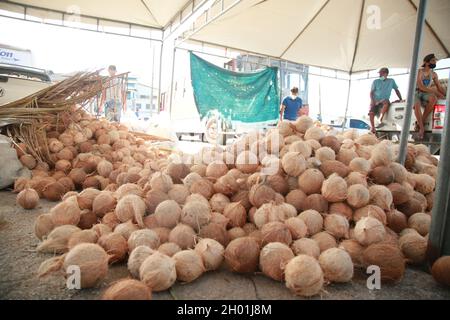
[245, 97]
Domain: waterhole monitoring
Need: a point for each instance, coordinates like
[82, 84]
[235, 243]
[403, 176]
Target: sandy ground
[19, 263]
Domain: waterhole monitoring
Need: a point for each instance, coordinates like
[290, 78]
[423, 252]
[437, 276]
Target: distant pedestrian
[291, 105]
[112, 96]
[137, 111]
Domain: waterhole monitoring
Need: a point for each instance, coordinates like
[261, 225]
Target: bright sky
[65, 50]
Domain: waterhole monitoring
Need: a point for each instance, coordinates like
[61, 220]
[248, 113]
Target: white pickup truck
[17, 82]
[393, 123]
[360, 125]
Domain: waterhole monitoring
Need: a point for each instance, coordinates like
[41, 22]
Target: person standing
[426, 96]
[380, 94]
[112, 96]
[291, 106]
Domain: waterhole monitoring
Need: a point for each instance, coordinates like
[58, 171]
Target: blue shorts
[113, 110]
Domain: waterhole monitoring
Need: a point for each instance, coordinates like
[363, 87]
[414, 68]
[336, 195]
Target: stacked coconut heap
[296, 204]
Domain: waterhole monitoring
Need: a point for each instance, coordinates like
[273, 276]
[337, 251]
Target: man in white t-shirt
[112, 97]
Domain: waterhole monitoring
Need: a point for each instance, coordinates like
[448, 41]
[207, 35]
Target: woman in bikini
[426, 96]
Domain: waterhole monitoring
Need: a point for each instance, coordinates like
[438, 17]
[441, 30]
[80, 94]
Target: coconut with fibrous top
[311, 181]
[242, 255]
[337, 265]
[304, 276]
[158, 271]
[369, 231]
[273, 259]
[334, 189]
[211, 252]
[306, 246]
[313, 221]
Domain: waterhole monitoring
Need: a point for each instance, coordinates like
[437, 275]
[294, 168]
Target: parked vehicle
[362, 126]
[393, 123]
[17, 82]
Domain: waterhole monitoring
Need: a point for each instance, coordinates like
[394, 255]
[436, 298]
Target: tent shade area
[149, 13]
[245, 97]
[348, 35]
[211, 150]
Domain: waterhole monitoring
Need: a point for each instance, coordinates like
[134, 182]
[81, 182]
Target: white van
[17, 82]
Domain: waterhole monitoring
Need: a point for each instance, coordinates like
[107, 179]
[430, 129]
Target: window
[147, 106]
[358, 124]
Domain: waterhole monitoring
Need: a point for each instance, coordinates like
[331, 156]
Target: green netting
[246, 97]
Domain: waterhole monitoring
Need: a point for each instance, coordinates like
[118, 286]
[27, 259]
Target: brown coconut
[43, 225]
[115, 245]
[420, 222]
[127, 289]
[131, 207]
[276, 232]
[296, 198]
[358, 196]
[260, 194]
[303, 276]
[236, 214]
[66, 212]
[369, 231]
[306, 246]
[189, 265]
[183, 235]
[311, 181]
[441, 270]
[273, 259]
[388, 258]
[382, 175]
[354, 249]
[341, 208]
[87, 219]
[27, 198]
[337, 265]
[242, 255]
[216, 232]
[315, 202]
[293, 163]
[334, 189]
[333, 166]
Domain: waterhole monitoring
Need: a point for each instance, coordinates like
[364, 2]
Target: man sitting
[380, 95]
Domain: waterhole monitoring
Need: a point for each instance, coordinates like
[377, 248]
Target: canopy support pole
[355, 51]
[160, 75]
[439, 237]
[348, 101]
[153, 78]
[171, 81]
[281, 82]
[412, 81]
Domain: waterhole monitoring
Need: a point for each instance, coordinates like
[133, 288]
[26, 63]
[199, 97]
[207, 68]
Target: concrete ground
[19, 263]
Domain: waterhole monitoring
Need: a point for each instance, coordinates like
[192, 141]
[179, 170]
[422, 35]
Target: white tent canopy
[148, 13]
[346, 35]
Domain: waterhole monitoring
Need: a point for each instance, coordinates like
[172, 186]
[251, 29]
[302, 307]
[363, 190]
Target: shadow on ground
[19, 263]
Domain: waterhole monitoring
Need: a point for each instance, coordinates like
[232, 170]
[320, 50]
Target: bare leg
[385, 109]
[372, 121]
[429, 108]
[418, 112]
